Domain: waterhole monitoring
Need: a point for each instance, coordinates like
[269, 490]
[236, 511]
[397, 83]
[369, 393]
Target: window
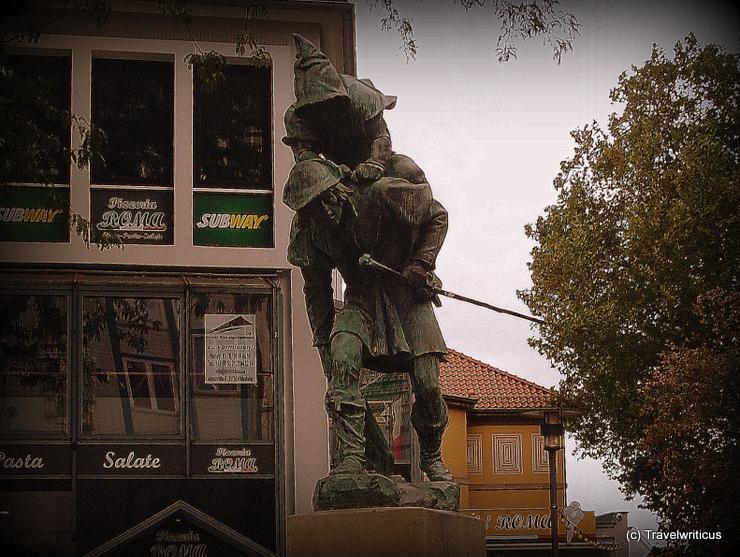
[130, 366]
[152, 386]
[232, 143]
[38, 89]
[33, 365]
[238, 406]
[133, 105]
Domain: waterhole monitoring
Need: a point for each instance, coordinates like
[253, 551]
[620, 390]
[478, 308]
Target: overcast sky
[490, 137]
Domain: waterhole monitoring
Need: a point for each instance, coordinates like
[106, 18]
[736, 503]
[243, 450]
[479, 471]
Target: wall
[454, 450]
[519, 482]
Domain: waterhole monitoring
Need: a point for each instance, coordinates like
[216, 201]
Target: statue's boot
[349, 426]
[430, 460]
[346, 405]
[435, 469]
[429, 416]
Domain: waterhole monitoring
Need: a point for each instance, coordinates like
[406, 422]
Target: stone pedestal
[385, 532]
[369, 490]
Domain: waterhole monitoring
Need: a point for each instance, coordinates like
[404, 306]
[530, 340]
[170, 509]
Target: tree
[644, 234]
[690, 448]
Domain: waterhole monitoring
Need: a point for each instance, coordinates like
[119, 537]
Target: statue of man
[340, 118]
[387, 323]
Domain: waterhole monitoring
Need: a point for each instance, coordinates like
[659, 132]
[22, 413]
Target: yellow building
[495, 450]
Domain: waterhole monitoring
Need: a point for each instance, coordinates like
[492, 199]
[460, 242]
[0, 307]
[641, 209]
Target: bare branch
[519, 22]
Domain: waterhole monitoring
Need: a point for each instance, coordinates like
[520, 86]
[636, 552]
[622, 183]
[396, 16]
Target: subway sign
[34, 214]
[233, 219]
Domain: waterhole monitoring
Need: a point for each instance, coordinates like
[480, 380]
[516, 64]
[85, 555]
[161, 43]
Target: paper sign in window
[231, 349]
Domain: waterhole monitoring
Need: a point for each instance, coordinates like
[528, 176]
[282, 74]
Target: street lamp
[552, 431]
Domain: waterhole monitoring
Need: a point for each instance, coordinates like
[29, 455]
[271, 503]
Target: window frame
[267, 186]
[168, 182]
[66, 435]
[276, 406]
[147, 292]
[66, 138]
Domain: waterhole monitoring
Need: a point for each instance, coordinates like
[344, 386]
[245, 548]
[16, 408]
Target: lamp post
[552, 431]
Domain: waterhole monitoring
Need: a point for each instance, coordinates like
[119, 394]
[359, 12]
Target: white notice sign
[231, 353]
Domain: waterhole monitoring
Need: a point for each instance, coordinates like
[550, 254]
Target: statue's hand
[418, 276]
[368, 172]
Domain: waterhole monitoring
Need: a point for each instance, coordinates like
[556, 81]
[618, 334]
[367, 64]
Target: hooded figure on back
[340, 118]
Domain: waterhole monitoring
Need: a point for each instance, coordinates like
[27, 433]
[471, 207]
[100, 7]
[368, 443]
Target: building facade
[163, 390]
[495, 448]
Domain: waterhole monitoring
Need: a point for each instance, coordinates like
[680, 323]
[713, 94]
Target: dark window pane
[130, 356]
[232, 144]
[34, 122]
[132, 103]
[232, 410]
[33, 365]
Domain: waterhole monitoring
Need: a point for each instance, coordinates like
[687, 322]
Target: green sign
[34, 214]
[233, 219]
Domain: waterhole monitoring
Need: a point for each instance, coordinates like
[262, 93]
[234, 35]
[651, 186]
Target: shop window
[232, 367]
[38, 89]
[130, 366]
[133, 107]
[232, 129]
[33, 365]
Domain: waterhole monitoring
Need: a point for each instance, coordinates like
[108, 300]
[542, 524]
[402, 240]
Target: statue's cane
[367, 261]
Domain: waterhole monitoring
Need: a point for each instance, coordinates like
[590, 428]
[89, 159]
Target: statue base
[386, 532]
[354, 491]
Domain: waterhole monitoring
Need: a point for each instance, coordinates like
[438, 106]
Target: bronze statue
[340, 118]
[354, 196]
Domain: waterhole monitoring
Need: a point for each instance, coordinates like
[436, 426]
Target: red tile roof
[494, 389]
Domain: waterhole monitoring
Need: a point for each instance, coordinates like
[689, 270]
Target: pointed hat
[316, 80]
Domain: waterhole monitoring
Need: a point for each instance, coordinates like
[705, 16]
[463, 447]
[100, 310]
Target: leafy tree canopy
[630, 269]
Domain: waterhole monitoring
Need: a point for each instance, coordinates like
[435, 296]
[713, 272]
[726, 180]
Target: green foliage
[646, 223]
[208, 68]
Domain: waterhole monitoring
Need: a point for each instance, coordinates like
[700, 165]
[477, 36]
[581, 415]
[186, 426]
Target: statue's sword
[367, 261]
